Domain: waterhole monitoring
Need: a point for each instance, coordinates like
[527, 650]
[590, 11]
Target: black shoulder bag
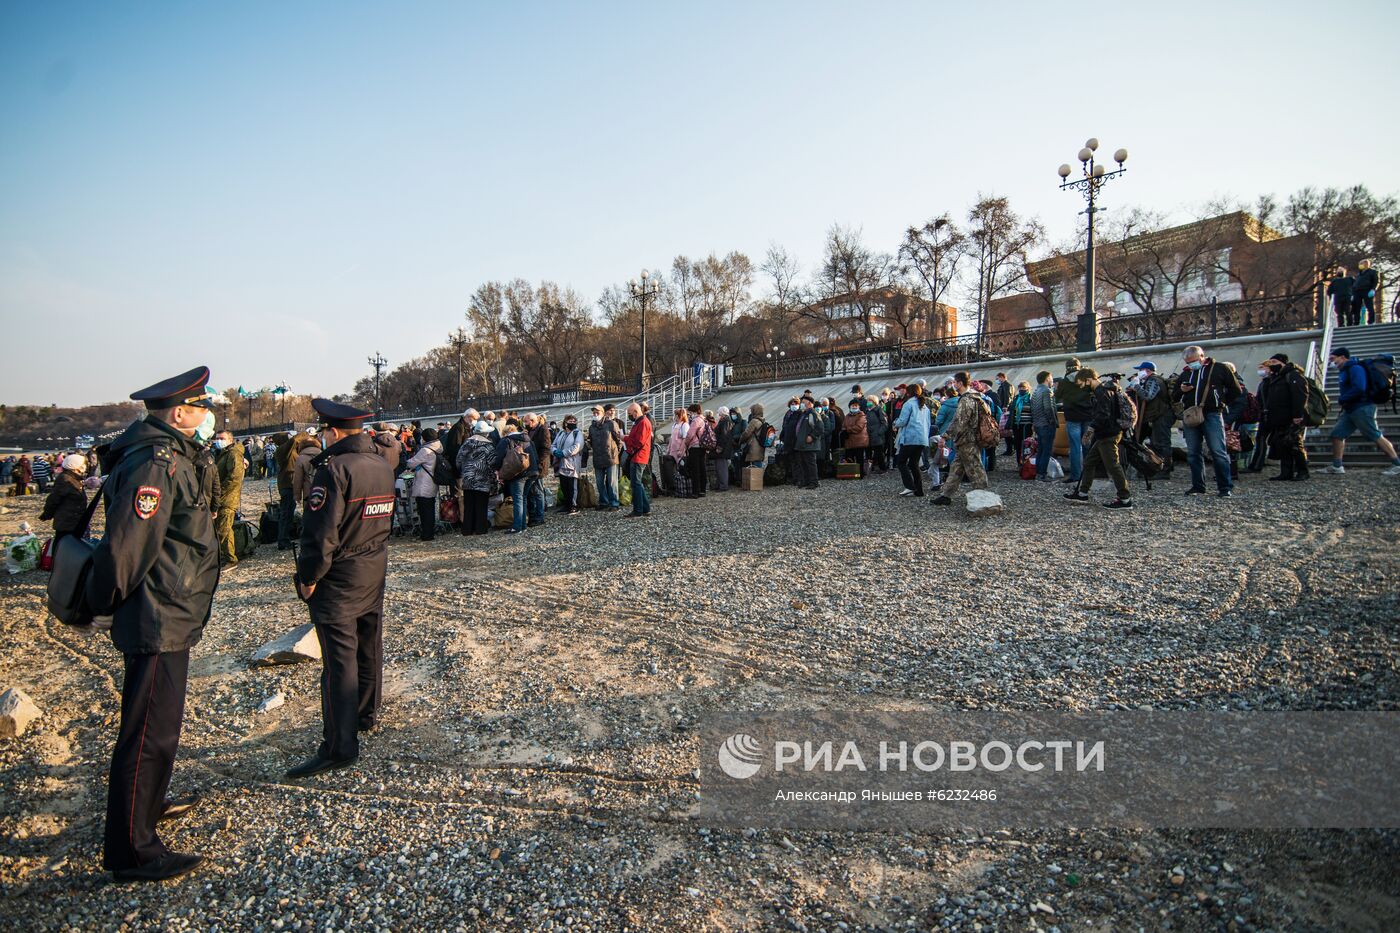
[72, 562]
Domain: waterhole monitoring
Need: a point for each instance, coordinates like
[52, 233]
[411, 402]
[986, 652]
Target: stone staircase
[1362, 342]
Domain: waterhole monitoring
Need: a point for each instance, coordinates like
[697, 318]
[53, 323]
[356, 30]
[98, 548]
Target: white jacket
[569, 444]
[421, 463]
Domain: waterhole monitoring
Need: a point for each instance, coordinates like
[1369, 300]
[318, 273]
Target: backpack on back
[988, 431]
[707, 442]
[516, 462]
[1316, 407]
[1253, 410]
[1380, 378]
[444, 471]
[1127, 412]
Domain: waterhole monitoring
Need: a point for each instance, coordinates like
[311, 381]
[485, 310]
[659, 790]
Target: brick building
[1227, 258]
[894, 315]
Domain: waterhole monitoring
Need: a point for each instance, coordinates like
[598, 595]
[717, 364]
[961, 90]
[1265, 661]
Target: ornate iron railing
[1217, 319]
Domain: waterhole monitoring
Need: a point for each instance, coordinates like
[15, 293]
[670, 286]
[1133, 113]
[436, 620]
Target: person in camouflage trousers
[967, 462]
[228, 457]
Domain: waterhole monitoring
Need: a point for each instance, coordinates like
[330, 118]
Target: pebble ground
[535, 766]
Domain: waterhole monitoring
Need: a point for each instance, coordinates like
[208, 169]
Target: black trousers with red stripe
[352, 677]
[153, 707]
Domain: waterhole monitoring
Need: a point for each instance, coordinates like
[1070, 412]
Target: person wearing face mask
[1283, 397]
[1155, 403]
[856, 434]
[1211, 388]
[787, 434]
[154, 572]
[340, 576]
[568, 462]
[807, 434]
[638, 446]
[228, 460]
[876, 428]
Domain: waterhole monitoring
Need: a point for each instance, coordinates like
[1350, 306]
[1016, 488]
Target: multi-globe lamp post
[775, 355]
[642, 293]
[1095, 175]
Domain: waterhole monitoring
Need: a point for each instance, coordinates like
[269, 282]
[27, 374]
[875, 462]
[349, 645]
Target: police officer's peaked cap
[336, 415]
[184, 389]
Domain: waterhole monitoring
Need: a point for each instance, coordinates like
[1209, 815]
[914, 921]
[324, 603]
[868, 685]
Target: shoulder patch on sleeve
[146, 502]
[316, 498]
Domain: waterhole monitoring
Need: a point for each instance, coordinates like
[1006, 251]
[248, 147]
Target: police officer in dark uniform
[344, 554]
[155, 572]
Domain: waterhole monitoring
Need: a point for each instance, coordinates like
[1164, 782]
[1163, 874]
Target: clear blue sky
[280, 189]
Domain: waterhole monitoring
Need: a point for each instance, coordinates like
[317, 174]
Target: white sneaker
[1335, 470]
[906, 492]
[1392, 471]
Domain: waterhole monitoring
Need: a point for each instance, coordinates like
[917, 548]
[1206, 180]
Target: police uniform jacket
[345, 526]
[157, 566]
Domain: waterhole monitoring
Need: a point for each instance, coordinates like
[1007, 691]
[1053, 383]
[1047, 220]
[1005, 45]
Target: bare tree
[857, 273]
[781, 270]
[931, 254]
[999, 243]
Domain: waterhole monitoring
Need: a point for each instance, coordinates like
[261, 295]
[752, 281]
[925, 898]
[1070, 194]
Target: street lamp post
[282, 390]
[643, 293]
[378, 362]
[1087, 336]
[775, 355]
[459, 340]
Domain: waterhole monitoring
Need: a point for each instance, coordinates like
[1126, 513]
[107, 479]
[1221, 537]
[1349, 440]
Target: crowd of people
[939, 439]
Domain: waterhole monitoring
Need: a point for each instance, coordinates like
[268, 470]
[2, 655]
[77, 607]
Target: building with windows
[893, 316]
[1225, 258]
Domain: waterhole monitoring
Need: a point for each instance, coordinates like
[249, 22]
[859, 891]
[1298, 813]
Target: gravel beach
[535, 763]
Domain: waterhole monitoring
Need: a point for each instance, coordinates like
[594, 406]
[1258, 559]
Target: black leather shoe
[169, 865]
[366, 725]
[174, 809]
[317, 764]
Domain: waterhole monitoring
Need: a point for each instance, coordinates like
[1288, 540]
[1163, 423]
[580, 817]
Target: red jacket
[638, 441]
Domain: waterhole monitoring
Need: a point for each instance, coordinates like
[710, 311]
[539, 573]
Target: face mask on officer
[205, 429]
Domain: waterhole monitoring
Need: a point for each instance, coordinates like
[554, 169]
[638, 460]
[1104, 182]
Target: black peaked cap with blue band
[185, 389]
[336, 415]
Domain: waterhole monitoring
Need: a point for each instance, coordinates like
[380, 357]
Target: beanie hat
[1281, 357]
[75, 462]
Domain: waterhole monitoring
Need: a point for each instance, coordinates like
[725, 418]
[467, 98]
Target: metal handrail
[678, 390]
[1317, 365]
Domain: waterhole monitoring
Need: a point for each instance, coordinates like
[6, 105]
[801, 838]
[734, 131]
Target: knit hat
[482, 427]
[77, 463]
[1281, 357]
